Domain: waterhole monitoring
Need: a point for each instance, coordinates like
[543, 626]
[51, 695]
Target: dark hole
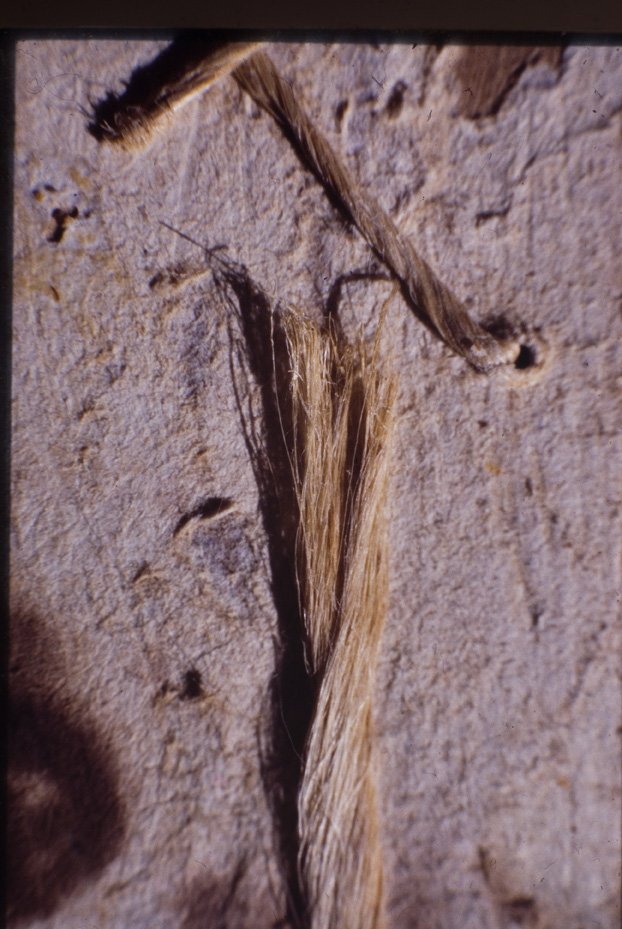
[526, 358]
[340, 109]
[192, 685]
[394, 103]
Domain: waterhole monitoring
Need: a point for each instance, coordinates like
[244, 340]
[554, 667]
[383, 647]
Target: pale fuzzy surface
[498, 695]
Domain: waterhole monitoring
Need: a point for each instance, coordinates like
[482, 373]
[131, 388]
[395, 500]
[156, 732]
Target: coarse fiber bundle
[343, 418]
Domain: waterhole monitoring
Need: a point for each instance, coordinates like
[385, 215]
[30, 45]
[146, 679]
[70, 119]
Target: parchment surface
[143, 636]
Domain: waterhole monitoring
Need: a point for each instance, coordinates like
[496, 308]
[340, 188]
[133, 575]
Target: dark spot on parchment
[60, 218]
[192, 685]
[396, 99]
[114, 372]
[340, 109]
[207, 509]
[484, 215]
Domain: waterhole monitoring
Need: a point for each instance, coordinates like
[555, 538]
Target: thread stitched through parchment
[125, 119]
[343, 418]
[427, 294]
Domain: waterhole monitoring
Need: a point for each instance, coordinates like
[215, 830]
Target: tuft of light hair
[343, 419]
[155, 92]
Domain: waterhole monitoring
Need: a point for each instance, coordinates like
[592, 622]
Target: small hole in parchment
[340, 109]
[526, 358]
[192, 688]
[536, 613]
[395, 101]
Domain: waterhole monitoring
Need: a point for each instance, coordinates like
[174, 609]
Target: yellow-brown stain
[493, 468]
[83, 182]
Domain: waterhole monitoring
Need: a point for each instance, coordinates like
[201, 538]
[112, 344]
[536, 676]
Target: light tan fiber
[343, 422]
[155, 92]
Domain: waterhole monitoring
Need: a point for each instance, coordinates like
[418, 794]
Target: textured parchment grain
[144, 628]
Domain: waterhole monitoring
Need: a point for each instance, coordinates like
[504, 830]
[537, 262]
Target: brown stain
[80, 180]
[61, 218]
[66, 818]
[488, 73]
[513, 908]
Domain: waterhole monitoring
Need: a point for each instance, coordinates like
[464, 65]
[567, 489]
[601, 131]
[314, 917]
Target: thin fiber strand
[188, 68]
[258, 76]
[155, 92]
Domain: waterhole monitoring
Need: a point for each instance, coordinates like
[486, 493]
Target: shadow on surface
[260, 358]
[65, 816]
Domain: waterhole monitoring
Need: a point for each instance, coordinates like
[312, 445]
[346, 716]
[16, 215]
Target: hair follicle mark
[208, 509]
